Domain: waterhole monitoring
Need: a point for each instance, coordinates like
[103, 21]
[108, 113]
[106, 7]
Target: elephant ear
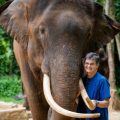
[104, 29]
[14, 20]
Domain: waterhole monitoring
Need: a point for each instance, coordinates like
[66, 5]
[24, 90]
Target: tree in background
[8, 64]
[2, 2]
[10, 84]
[117, 53]
[110, 11]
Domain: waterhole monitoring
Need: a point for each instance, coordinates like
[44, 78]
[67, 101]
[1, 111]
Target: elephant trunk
[57, 108]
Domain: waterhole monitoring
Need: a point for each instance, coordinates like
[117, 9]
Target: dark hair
[93, 56]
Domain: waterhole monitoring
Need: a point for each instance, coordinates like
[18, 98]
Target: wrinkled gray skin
[52, 36]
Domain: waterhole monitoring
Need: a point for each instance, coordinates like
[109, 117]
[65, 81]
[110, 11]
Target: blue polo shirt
[98, 88]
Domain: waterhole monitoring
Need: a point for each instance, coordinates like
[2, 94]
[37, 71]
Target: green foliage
[116, 5]
[118, 77]
[117, 16]
[117, 10]
[9, 86]
[2, 2]
[5, 52]
[9, 99]
[117, 69]
[100, 1]
[117, 62]
[118, 91]
[7, 60]
[118, 74]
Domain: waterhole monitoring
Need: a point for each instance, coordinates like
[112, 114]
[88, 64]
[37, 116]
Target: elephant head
[56, 34]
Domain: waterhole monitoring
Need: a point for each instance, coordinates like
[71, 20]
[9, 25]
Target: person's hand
[94, 103]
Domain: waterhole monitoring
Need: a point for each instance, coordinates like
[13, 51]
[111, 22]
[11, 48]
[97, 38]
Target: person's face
[90, 66]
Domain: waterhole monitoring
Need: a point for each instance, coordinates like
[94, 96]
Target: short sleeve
[104, 89]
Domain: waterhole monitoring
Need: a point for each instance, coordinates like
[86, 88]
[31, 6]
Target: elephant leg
[25, 104]
[33, 92]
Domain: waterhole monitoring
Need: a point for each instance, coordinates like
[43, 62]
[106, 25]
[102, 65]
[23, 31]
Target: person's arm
[101, 104]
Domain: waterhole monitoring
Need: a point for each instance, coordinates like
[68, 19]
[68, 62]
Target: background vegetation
[2, 2]
[10, 84]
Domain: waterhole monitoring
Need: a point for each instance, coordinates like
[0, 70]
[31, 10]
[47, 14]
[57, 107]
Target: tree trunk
[114, 101]
[117, 39]
[110, 51]
[110, 47]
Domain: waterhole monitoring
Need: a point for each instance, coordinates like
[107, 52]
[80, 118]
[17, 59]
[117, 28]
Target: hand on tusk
[94, 103]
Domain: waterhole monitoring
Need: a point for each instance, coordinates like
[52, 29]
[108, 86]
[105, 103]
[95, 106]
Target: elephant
[50, 39]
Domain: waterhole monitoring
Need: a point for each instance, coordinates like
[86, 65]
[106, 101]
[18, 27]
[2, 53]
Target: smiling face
[90, 67]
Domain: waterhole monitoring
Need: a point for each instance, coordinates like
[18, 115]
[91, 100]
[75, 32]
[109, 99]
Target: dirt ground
[114, 115]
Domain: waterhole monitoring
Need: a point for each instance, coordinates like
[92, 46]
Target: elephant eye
[42, 33]
[42, 30]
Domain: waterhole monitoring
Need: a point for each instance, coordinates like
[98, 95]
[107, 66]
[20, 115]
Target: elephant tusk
[85, 96]
[56, 107]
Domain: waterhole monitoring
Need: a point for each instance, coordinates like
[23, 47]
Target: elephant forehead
[67, 15]
[71, 16]
[62, 17]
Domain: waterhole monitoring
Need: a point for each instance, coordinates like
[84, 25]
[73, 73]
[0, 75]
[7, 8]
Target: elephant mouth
[59, 109]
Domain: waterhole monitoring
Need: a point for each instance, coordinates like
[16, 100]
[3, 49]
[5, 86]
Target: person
[97, 87]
